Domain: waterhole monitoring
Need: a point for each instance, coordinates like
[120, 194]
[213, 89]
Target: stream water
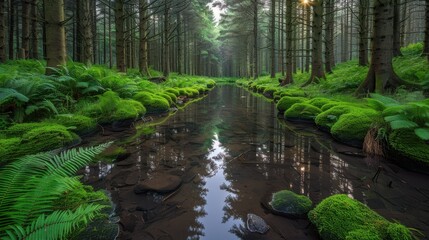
[230, 151]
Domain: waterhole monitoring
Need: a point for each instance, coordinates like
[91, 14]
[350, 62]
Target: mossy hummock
[329, 117]
[286, 102]
[152, 102]
[291, 204]
[77, 123]
[302, 111]
[339, 217]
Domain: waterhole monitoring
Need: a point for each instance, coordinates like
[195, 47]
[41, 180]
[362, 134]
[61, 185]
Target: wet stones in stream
[256, 224]
[161, 183]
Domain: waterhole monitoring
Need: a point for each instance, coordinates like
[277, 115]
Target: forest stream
[225, 154]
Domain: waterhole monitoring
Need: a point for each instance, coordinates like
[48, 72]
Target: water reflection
[231, 151]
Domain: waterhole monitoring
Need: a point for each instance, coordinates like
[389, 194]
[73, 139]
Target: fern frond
[57, 225]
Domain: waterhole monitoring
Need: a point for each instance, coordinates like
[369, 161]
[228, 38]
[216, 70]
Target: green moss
[80, 194]
[352, 127]
[288, 202]
[78, 123]
[329, 117]
[18, 130]
[9, 149]
[113, 152]
[319, 102]
[153, 103]
[47, 138]
[303, 111]
[286, 102]
[172, 96]
[166, 97]
[397, 231]
[128, 109]
[405, 142]
[340, 217]
[173, 91]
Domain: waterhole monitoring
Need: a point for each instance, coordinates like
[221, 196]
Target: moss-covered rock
[47, 138]
[290, 203]
[351, 128]
[173, 91]
[286, 102]
[329, 117]
[75, 122]
[408, 150]
[340, 217]
[319, 102]
[172, 96]
[128, 109]
[302, 111]
[19, 129]
[9, 149]
[153, 103]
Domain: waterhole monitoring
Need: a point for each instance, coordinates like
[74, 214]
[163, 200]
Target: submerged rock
[161, 183]
[290, 204]
[256, 224]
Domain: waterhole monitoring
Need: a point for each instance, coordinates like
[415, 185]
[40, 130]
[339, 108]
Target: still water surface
[231, 151]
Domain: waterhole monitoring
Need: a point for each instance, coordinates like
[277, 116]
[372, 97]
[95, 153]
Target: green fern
[30, 185]
[57, 225]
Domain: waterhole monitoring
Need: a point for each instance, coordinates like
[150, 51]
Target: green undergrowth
[340, 217]
[332, 106]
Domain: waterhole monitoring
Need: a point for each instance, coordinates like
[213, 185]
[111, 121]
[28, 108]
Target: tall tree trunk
[273, 39]
[120, 35]
[166, 42]
[307, 39]
[289, 47]
[396, 28]
[34, 36]
[179, 44]
[25, 42]
[85, 32]
[11, 28]
[363, 32]
[381, 75]
[55, 33]
[317, 71]
[329, 36]
[426, 42]
[143, 26]
[255, 39]
[2, 32]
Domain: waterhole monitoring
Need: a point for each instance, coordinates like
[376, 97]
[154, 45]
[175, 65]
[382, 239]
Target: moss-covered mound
[405, 145]
[47, 138]
[18, 130]
[290, 92]
[152, 102]
[290, 203]
[351, 128]
[75, 122]
[340, 217]
[302, 111]
[286, 102]
[9, 149]
[319, 102]
[330, 116]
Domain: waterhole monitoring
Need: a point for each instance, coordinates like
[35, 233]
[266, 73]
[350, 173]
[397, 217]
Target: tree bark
[120, 35]
[329, 36]
[34, 36]
[317, 71]
[396, 28]
[307, 40]
[143, 54]
[2, 32]
[166, 42]
[55, 33]
[426, 41]
[11, 28]
[381, 75]
[272, 39]
[255, 39]
[85, 32]
[25, 42]
[289, 47]
[363, 32]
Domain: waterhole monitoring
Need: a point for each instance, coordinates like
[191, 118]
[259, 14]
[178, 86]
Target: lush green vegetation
[400, 118]
[340, 217]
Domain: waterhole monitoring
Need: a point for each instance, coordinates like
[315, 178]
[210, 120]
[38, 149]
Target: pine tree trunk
[11, 28]
[25, 42]
[55, 34]
[120, 35]
[317, 71]
[289, 47]
[363, 32]
[381, 75]
[2, 32]
[34, 36]
[426, 41]
[273, 39]
[85, 30]
[179, 44]
[396, 28]
[143, 54]
[166, 42]
[307, 40]
[329, 36]
[255, 39]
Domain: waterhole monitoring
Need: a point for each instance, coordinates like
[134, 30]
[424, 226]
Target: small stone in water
[256, 224]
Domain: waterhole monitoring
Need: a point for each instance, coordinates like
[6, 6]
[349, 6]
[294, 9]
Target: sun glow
[305, 2]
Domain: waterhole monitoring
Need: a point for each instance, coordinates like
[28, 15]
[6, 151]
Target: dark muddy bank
[226, 153]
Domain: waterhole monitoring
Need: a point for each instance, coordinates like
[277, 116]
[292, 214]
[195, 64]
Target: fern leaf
[422, 133]
[7, 93]
[398, 124]
[57, 225]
